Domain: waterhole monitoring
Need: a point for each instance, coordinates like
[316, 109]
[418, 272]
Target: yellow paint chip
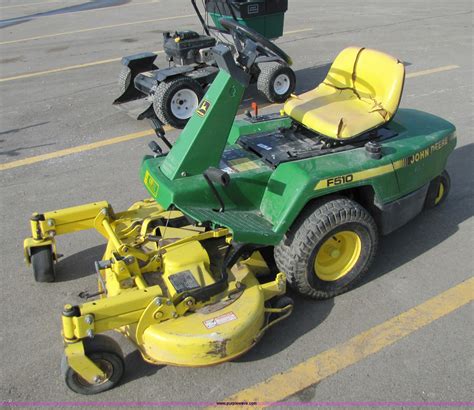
[431, 71]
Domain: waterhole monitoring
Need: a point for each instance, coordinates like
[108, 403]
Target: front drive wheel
[329, 249]
[176, 99]
[107, 355]
[276, 81]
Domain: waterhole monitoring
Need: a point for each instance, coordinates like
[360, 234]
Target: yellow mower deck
[148, 271]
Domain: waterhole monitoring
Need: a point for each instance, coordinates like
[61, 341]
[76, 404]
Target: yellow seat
[362, 91]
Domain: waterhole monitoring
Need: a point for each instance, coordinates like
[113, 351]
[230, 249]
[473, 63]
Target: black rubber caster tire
[167, 104]
[276, 81]
[335, 234]
[279, 303]
[106, 353]
[438, 190]
[42, 261]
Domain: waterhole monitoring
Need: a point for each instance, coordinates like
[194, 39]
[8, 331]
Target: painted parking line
[325, 364]
[431, 71]
[77, 149]
[94, 63]
[68, 68]
[297, 31]
[128, 137]
[85, 30]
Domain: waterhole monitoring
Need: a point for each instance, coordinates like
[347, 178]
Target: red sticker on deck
[220, 320]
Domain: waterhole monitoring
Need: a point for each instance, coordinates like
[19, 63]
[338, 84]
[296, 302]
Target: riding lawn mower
[196, 274]
[173, 93]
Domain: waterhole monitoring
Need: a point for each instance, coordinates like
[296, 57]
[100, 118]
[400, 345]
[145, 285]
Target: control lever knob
[217, 176]
[155, 148]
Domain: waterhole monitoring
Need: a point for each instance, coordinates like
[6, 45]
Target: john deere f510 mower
[195, 275]
[173, 93]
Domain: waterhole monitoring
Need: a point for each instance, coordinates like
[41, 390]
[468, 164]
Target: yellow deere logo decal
[151, 184]
[202, 110]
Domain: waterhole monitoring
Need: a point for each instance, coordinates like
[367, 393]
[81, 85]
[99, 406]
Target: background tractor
[173, 93]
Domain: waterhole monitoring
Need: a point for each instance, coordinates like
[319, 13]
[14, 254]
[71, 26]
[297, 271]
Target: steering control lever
[155, 148]
[215, 175]
[160, 131]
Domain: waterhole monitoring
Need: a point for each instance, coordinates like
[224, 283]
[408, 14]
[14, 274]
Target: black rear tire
[438, 190]
[276, 81]
[167, 103]
[334, 234]
[106, 353]
[42, 261]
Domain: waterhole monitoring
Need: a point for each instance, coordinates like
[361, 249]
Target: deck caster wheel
[329, 249]
[280, 303]
[176, 99]
[438, 190]
[42, 261]
[107, 355]
[276, 81]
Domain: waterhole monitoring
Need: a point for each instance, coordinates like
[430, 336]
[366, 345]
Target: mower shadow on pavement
[307, 315]
[432, 226]
[137, 367]
[79, 265]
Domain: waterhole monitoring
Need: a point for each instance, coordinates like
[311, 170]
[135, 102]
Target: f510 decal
[344, 179]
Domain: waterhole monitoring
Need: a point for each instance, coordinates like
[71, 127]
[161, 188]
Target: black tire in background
[124, 79]
[42, 261]
[174, 94]
[106, 353]
[276, 81]
[438, 190]
[321, 225]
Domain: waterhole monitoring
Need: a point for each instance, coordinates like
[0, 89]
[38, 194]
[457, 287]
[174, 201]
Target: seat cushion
[333, 113]
[341, 73]
[379, 77]
[361, 91]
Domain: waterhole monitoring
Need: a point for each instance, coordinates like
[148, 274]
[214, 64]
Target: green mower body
[277, 168]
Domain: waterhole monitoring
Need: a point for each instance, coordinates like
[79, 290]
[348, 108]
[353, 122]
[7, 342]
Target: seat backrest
[379, 77]
[341, 73]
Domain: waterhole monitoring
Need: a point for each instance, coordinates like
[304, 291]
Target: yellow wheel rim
[337, 256]
[440, 194]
